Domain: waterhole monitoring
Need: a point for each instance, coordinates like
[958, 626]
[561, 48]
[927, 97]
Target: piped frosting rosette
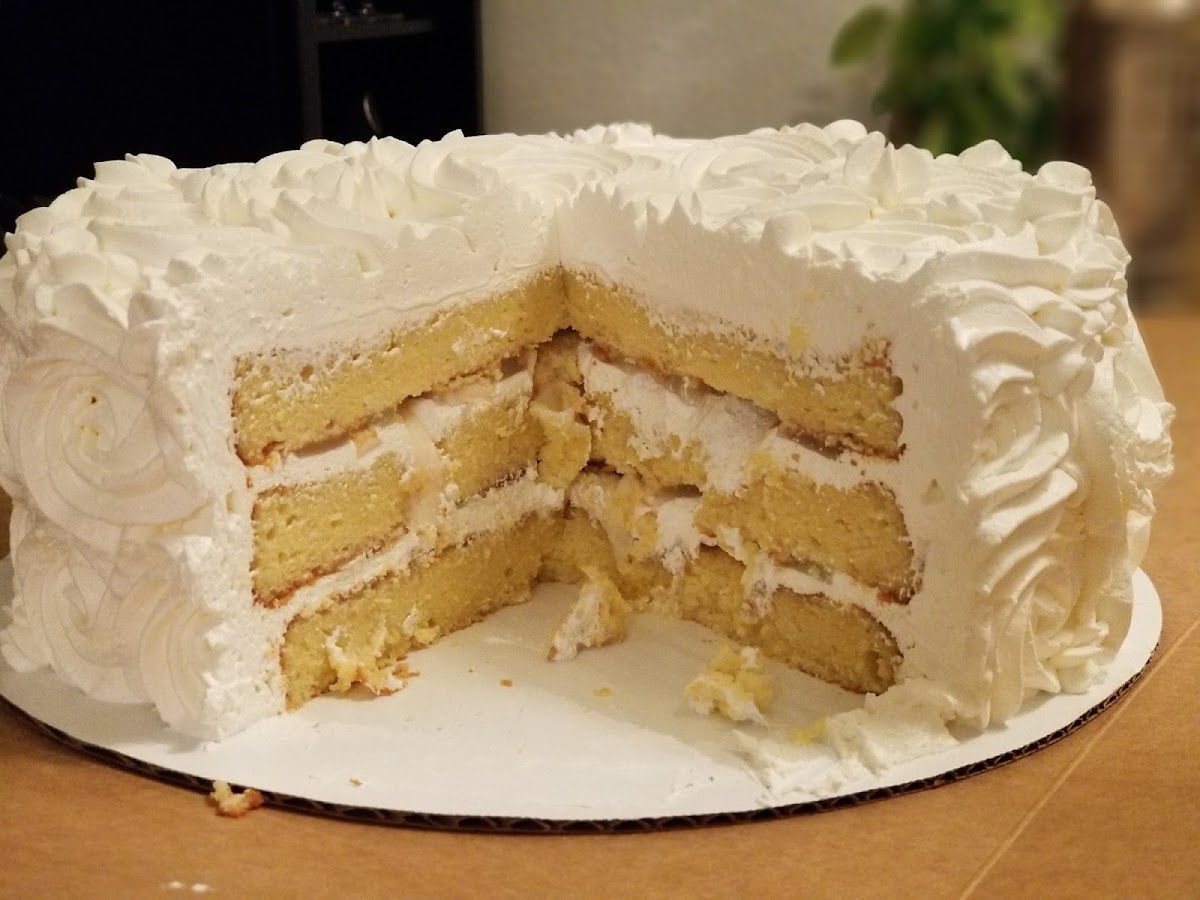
[113, 627]
[1045, 309]
[88, 445]
[89, 450]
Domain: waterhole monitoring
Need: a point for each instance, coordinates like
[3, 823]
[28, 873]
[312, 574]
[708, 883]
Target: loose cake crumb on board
[506, 682]
[596, 620]
[232, 803]
[734, 685]
[809, 734]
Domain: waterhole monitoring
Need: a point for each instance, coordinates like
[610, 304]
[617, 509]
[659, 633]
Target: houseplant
[956, 72]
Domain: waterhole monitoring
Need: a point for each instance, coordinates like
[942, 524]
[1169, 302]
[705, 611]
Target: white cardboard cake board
[492, 735]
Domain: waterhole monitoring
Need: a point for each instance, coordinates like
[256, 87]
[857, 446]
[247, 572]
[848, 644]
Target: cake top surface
[837, 192]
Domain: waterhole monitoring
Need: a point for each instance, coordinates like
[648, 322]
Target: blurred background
[1112, 84]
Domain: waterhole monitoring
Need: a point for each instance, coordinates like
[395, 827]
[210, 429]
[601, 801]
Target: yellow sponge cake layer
[361, 636]
[566, 444]
[440, 448]
[560, 409]
[493, 441]
[614, 442]
[288, 400]
[307, 530]
[859, 531]
[833, 641]
[850, 409]
[580, 541]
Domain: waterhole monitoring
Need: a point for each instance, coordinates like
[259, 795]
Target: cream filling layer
[410, 432]
[668, 415]
[679, 540]
[498, 509]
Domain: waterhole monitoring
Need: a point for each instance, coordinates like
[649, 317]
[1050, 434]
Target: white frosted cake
[271, 427]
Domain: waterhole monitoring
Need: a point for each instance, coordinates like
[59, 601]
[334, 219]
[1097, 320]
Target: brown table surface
[1112, 810]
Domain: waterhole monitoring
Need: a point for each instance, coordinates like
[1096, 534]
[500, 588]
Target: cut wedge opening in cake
[678, 499]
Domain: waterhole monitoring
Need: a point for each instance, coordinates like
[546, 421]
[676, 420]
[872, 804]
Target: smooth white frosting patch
[907, 723]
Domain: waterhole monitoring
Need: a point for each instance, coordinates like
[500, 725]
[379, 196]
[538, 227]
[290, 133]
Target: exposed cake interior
[674, 472]
[290, 400]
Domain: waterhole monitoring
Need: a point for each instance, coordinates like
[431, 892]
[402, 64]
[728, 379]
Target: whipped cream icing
[1034, 427]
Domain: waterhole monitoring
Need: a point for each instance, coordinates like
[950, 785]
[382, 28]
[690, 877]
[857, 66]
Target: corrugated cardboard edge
[533, 825]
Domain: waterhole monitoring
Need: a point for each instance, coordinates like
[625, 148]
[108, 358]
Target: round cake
[271, 427]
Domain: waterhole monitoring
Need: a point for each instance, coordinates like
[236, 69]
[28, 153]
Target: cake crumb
[360, 666]
[233, 804]
[389, 679]
[603, 692]
[365, 440]
[427, 635]
[596, 620]
[798, 341]
[734, 685]
[506, 682]
[355, 782]
[809, 734]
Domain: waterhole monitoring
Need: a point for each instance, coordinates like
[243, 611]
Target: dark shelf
[358, 28]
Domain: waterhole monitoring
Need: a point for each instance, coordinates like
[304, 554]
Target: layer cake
[271, 427]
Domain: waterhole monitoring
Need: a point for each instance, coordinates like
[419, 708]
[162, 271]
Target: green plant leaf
[858, 38]
[957, 71]
[934, 135]
[1038, 18]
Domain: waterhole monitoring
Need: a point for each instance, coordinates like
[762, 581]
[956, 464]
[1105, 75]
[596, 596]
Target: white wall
[688, 68]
